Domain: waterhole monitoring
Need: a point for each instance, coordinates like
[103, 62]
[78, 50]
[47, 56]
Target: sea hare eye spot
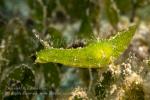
[105, 51]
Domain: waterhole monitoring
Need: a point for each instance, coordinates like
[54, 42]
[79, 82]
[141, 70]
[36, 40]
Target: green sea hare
[95, 55]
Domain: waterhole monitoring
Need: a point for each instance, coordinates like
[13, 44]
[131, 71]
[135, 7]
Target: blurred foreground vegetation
[26, 26]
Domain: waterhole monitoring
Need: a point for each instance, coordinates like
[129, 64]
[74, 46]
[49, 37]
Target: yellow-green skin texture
[97, 54]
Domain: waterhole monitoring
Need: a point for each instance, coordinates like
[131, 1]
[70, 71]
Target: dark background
[71, 24]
